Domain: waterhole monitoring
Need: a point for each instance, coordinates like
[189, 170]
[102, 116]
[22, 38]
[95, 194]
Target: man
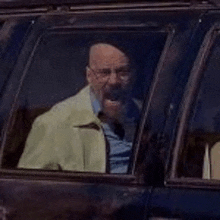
[93, 130]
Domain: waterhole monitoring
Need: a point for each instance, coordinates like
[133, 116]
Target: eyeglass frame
[101, 75]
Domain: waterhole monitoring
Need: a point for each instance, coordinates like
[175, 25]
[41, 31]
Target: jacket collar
[82, 113]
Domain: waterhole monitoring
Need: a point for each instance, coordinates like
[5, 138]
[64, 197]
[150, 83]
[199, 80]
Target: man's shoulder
[74, 102]
[62, 110]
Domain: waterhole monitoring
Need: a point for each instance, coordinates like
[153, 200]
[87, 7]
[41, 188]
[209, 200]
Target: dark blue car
[173, 163]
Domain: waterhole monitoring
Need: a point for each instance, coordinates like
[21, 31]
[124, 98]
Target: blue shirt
[120, 146]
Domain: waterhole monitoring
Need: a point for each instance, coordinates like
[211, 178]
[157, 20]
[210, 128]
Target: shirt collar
[95, 103]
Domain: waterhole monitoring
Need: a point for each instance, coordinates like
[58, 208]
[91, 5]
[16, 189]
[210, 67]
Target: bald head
[105, 54]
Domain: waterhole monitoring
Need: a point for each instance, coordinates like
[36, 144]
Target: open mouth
[115, 96]
[113, 102]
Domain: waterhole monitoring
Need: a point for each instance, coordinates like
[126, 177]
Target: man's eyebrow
[126, 67]
[117, 69]
[105, 69]
[123, 67]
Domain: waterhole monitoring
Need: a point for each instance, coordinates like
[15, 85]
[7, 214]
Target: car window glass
[200, 154]
[80, 99]
[12, 37]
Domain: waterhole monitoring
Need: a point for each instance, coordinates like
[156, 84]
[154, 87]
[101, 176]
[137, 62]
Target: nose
[113, 78]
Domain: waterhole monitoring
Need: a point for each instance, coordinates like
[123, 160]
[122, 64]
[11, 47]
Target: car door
[192, 181]
[43, 61]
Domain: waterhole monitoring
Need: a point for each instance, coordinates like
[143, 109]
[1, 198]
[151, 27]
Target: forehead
[105, 55]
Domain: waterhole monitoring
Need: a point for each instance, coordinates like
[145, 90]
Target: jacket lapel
[91, 133]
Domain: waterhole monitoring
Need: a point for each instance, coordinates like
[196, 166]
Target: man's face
[110, 76]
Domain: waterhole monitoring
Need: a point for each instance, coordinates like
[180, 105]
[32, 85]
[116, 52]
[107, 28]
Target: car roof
[34, 3]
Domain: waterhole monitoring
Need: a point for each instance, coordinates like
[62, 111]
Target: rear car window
[200, 143]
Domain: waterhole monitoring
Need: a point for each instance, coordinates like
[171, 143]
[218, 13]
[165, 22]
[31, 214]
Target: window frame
[83, 176]
[190, 95]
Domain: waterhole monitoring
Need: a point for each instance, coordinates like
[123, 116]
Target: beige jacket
[68, 137]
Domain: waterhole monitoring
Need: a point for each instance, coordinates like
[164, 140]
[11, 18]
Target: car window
[80, 95]
[199, 157]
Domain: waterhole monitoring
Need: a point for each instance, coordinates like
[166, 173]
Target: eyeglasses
[123, 73]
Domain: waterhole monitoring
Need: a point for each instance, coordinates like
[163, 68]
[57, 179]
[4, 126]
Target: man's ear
[88, 75]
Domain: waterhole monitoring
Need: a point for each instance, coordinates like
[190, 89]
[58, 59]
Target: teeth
[113, 101]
